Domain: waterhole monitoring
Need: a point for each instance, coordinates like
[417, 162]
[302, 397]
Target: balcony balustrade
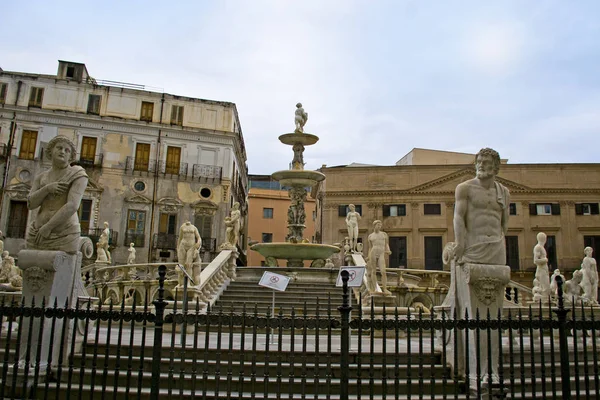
[175, 169]
[90, 162]
[207, 173]
[138, 239]
[139, 165]
[164, 241]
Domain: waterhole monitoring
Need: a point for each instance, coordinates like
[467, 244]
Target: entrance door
[398, 248]
[512, 252]
[551, 252]
[433, 253]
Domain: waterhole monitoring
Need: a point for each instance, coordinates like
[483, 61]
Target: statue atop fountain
[300, 118]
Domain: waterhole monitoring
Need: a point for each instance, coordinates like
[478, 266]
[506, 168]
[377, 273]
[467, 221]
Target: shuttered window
[94, 101]
[173, 159]
[36, 96]
[177, 115]
[147, 111]
[3, 90]
[28, 143]
[88, 149]
[142, 157]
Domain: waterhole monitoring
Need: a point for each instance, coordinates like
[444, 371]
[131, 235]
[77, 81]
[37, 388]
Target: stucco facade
[154, 160]
[268, 207]
[416, 205]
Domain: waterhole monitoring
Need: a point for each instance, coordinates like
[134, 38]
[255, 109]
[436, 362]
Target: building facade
[154, 160]
[268, 204]
[416, 205]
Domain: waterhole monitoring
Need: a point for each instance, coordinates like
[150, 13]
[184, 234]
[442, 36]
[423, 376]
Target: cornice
[410, 192]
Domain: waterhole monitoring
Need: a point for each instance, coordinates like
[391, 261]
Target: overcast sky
[377, 78]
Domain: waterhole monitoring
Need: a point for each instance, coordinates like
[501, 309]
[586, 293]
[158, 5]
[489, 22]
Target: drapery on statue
[188, 249]
[352, 218]
[300, 118]
[103, 243]
[379, 248]
[57, 193]
[479, 273]
[589, 281]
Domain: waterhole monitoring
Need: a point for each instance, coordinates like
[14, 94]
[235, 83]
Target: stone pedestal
[478, 287]
[54, 276]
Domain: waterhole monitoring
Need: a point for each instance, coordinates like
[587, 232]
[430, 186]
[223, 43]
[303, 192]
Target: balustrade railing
[164, 241]
[91, 162]
[173, 168]
[138, 239]
[207, 173]
[134, 165]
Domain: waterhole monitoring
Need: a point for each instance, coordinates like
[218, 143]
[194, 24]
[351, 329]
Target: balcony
[90, 162]
[207, 173]
[140, 166]
[138, 239]
[164, 241]
[94, 235]
[209, 244]
[174, 169]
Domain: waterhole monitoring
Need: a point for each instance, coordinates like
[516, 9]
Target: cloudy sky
[377, 78]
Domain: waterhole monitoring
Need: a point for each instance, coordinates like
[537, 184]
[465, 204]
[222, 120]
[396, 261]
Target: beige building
[154, 160]
[268, 205]
[415, 201]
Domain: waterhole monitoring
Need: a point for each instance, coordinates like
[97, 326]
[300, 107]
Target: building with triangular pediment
[415, 201]
[154, 160]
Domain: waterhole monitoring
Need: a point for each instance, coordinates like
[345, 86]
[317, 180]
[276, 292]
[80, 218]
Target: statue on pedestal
[233, 224]
[379, 248]
[479, 273]
[352, 218]
[103, 244]
[572, 289]
[188, 251]
[300, 118]
[131, 257]
[589, 281]
[9, 273]
[541, 283]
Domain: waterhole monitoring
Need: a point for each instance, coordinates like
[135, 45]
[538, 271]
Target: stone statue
[131, 250]
[572, 288]
[352, 218]
[188, 250]
[541, 283]
[378, 249]
[479, 273]
[103, 243]
[300, 118]
[57, 194]
[329, 263]
[298, 160]
[589, 282]
[1, 242]
[101, 256]
[9, 273]
[233, 224]
[553, 283]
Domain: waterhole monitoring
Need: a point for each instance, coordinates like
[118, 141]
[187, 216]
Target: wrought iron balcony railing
[164, 241]
[90, 162]
[138, 239]
[94, 235]
[168, 168]
[207, 173]
[3, 150]
[133, 164]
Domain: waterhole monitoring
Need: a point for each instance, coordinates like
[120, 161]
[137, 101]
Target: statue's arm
[70, 207]
[387, 244]
[198, 238]
[460, 213]
[36, 194]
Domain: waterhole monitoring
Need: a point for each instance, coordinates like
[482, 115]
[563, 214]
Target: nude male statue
[378, 248]
[352, 218]
[481, 214]
[541, 283]
[188, 246]
[300, 118]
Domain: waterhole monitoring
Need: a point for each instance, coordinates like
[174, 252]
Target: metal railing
[207, 173]
[164, 241]
[545, 352]
[90, 162]
[179, 169]
[139, 165]
[138, 239]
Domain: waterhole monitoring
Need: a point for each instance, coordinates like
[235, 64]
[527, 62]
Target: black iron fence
[158, 351]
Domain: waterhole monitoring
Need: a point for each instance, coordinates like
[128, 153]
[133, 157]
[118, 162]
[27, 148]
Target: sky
[377, 78]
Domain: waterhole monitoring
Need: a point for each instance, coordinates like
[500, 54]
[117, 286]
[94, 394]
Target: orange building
[268, 205]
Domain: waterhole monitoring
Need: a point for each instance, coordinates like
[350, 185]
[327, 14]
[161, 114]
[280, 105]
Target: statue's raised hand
[57, 188]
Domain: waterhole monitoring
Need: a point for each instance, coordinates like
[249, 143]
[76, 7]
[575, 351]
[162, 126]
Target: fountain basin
[305, 139]
[302, 178]
[295, 251]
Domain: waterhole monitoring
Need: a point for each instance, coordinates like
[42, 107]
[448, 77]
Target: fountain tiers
[297, 178]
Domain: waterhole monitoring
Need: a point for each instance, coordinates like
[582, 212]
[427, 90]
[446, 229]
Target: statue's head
[4, 254]
[351, 207]
[377, 224]
[131, 244]
[588, 251]
[63, 140]
[298, 105]
[106, 224]
[541, 237]
[236, 206]
[484, 157]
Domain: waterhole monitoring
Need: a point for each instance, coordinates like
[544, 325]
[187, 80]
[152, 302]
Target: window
[36, 96]
[587, 209]
[17, 220]
[314, 215]
[396, 210]
[551, 252]
[88, 150]
[3, 90]
[433, 253]
[344, 209]
[204, 225]
[544, 209]
[512, 252]
[173, 158]
[267, 237]
[94, 101]
[28, 143]
[512, 208]
[167, 223]
[177, 115]
[70, 71]
[84, 213]
[432, 209]
[142, 157]
[139, 186]
[268, 213]
[136, 225]
[398, 248]
[147, 111]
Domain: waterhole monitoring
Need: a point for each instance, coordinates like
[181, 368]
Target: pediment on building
[206, 207]
[169, 205]
[93, 186]
[138, 199]
[18, 191]
[448, 183]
